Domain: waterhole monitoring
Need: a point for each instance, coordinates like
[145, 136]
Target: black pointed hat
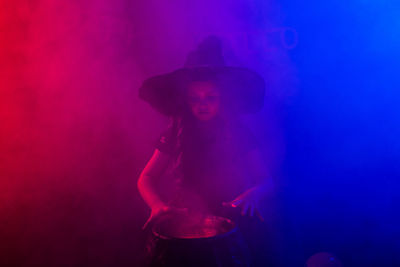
[242, 88]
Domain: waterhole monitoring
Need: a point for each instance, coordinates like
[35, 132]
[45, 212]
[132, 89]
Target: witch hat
[242, 88]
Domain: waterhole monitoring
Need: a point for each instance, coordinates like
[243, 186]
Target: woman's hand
[248, 201]
[160, 209]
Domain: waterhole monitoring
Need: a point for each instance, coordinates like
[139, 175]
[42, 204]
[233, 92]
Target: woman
[204, 122]
[217, 163]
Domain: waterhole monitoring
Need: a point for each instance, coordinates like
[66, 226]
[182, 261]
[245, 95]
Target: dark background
[74, 136]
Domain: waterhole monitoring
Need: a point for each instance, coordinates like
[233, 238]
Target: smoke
[74, 135]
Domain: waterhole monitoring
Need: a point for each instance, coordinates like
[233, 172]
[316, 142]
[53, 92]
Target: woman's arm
[249, 200]
[153, 170]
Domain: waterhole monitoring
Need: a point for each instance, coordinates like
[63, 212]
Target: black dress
[209, 168]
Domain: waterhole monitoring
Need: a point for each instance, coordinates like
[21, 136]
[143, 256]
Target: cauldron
[197, 240]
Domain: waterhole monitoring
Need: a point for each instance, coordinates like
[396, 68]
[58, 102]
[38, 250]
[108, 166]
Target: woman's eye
[197, 100]
[212, 98]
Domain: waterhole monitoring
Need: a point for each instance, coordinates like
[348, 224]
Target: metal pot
[197, 240]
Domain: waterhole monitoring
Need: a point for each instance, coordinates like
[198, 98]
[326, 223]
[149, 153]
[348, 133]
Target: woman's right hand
[158, 210]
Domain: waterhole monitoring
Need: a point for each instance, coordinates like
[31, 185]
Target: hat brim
[243, 89]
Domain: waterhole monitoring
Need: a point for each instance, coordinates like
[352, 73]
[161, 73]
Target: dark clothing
[210, 168]
[209, 165]
[245, 139]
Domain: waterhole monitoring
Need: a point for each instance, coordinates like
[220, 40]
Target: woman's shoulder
[168, 139]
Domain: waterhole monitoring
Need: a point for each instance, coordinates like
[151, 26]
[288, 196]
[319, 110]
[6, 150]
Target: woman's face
[204, 100]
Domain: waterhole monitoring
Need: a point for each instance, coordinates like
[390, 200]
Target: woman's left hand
[248, 201]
